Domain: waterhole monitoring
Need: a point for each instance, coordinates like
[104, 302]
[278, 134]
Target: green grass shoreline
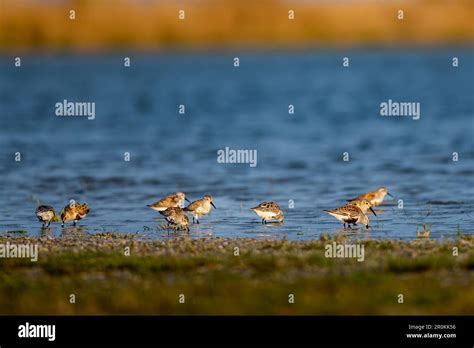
[257, 282]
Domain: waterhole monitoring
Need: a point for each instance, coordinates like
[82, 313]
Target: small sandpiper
[374, 197]
[45, 215]
[363, 205]
[349, 214]
[175, 200]
[268, 211]
[176, 216]
[74, 211]
[200, 207]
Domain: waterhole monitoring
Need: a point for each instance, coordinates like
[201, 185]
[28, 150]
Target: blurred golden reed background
[140, 24]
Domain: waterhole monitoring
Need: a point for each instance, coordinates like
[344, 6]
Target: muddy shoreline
[112, 273]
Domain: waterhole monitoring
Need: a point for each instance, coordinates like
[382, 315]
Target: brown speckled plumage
[200, 207]
[349, 214]
[75, 212]
[174, 200]
[176, 216]
[268, 211]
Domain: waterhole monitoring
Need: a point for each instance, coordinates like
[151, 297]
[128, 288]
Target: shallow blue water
[299, 156]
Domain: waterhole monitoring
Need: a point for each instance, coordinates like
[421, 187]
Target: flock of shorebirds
[73, 211]
[355, 211]
[352, 213]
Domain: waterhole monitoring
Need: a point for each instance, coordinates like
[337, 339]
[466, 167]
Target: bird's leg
[74, 223]
[263, 221]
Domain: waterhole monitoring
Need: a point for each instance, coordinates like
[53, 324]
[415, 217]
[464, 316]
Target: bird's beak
[372, 211]
[187, 200]
[389, 194]
[213, 205]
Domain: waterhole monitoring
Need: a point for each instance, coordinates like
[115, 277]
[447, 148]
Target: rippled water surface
[299, 155]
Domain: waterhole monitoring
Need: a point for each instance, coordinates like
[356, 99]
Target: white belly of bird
[46, 216]
[266, 214]
[377, 201]
[202, 210]
[337, 216]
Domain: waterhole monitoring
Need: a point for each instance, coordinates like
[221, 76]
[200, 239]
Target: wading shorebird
[74, 211]
[268, 211]
[45, 215]
[363, 205]
[175, 216]
[170, 201]
[349, 214]
[374, 197]
[200, 207]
